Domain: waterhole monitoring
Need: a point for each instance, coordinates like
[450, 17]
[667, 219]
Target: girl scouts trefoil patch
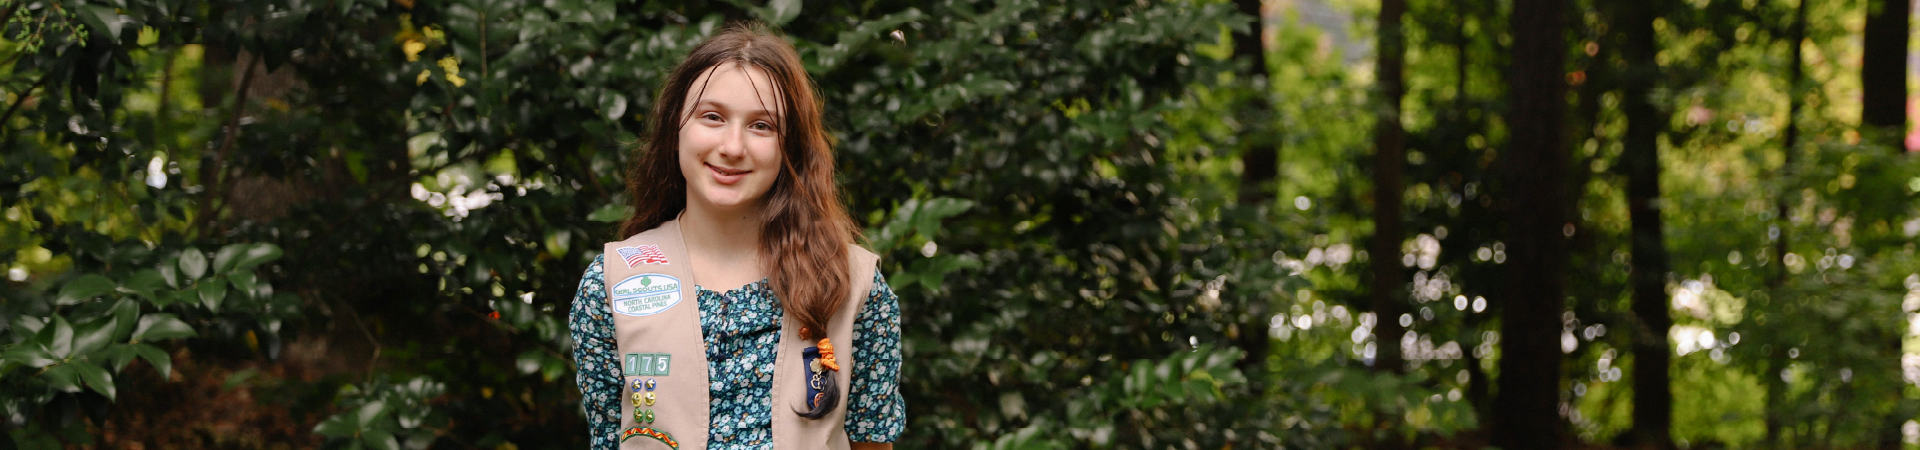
[645, 294]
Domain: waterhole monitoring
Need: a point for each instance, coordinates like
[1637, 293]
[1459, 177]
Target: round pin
[649, 399]
[637, 398]
[639, 385]
[652, 384]
[647, 416]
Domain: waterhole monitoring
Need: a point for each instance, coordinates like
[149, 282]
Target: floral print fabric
[741, 329]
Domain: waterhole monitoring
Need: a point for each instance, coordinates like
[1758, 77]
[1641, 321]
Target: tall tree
[1260, 160]
[1652, 388]
[1776, 388]
[1883, 70]
[1389, 167]
[1528, 401]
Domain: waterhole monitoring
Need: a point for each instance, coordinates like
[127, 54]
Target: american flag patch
[645, 254]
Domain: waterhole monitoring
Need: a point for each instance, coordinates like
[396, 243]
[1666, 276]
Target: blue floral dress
[741, 328]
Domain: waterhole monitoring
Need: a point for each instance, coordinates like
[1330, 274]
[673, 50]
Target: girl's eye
[711, 116]
[763, 126]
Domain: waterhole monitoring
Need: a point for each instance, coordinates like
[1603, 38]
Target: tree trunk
[1261, 165]
[1479, 392]
[1883, 71]
[1389, 167]
[1776, 284]
[1260, 160]
[1652, 389]
[1527, 404]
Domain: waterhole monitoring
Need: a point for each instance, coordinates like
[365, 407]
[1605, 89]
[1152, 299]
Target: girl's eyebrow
[721, 106]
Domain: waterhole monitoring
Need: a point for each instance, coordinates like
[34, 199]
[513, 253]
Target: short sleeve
[875, 410]
[593, 356]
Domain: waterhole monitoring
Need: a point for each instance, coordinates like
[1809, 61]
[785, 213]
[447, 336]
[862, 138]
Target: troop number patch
[647, 365]
[645, 294]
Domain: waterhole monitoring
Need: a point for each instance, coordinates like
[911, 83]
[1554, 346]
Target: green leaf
[93, 335]
[380, 440]
[58, 337]
[118, 355]
[126, 314]
[84, 288]
[224, 258]
[257, 254]
[338, 426]
[370, 412]
[144, 282]
[558, 242]
[170, 271]
[611, 213]
[95, 376]
[193, 264]
[31, 353]
[901, 280]
[25, 325]
[104, 18]
[237, 378]
[63, 377]
[162, 363]
[613, 104]
[927, 219]
[783, 11]
[245, 281]
[212, 292]
[161, 326]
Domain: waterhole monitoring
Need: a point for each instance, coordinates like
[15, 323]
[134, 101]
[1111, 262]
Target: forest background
[1112, 223]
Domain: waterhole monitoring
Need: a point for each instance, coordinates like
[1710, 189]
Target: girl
[737, 313]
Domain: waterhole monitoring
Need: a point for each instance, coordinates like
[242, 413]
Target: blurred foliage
[368, 218]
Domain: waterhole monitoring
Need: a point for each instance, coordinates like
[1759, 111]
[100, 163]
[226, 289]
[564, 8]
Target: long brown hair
[806, 232]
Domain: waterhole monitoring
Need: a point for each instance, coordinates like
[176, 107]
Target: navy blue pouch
[808, 355]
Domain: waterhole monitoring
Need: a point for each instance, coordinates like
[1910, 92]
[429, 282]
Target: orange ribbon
[826, 355]
[652, 433]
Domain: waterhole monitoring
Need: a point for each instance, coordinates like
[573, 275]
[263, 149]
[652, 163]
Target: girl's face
[730, 141]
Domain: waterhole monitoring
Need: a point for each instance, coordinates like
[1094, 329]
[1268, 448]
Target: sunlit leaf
[338, 426]
[244, 281]
[95, 376]
[224, 258]
[144, 282]
[63, 377]
[161, 326]
[193, 264]
[611, 213]
[162, 363]
[212, 292]
[84, 288]
[255, 255]
[93, 335]
[30, 353]
[58, 337]
[783, 11]
[126, 314]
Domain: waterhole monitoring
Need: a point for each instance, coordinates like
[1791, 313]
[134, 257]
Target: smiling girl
[737, 313]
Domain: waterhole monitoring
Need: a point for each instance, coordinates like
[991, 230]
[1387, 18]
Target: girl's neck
[728, 237]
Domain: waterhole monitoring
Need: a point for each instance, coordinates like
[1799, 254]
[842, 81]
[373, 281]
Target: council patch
[645, 294]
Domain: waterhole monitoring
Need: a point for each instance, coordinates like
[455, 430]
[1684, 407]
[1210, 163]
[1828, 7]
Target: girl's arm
[593, 354]
[876, 412]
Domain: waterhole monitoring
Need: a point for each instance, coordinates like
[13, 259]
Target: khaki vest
[656, 323]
